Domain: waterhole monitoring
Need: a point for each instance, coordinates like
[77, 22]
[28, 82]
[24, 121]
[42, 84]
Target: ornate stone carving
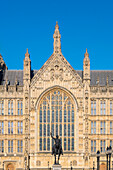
[32, 104]
[57, 68]
[56, 73]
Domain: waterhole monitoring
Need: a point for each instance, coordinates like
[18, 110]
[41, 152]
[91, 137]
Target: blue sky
[83, 24]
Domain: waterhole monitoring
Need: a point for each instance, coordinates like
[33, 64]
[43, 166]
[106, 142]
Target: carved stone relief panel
[57, 68]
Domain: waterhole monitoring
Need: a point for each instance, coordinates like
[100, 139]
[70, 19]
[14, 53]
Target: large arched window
[57, 115]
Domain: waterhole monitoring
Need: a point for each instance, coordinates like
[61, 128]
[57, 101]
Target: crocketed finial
[86, 53]
[56, 26]
[27, 53]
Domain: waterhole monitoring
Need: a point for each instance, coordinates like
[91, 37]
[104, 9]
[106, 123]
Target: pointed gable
[56, 67]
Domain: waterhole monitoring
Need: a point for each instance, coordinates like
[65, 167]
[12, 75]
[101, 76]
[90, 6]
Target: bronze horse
[57, 148]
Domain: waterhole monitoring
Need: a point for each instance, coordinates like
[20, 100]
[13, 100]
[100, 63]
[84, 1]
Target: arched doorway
[10, 167]
[103, 166]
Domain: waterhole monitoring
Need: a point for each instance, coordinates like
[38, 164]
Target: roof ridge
[14, 70]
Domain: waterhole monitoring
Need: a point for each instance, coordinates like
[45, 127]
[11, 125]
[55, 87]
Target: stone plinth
[57, 167]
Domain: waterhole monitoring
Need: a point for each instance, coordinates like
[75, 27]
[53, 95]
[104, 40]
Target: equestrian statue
[57, 148]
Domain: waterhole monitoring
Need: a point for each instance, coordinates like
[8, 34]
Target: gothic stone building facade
[76, 105]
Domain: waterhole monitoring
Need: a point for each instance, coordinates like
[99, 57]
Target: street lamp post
[107, 153]
[71, 165]
[98, 159]
[93, 165]
[110, 151]
[48, 165]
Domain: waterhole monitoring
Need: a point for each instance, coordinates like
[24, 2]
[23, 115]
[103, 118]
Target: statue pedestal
[57, 167]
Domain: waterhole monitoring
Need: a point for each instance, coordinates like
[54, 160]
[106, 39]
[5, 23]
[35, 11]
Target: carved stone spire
[27, 66]
[86, 66]
[27, 54]
[86, 54]
[57, 42]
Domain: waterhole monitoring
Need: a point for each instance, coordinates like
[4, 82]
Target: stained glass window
[56, 115]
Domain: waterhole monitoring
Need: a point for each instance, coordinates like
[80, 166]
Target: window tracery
[56, 115]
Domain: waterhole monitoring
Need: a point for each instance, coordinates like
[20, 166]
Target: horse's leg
[58, 156]
[55, 158]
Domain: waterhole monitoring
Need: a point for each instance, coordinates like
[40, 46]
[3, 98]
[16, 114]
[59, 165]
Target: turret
[86, 81]
[86, 67]
[27, 67]
[26, 107]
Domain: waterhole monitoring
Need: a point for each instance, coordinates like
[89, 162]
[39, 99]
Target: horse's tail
[61, 151]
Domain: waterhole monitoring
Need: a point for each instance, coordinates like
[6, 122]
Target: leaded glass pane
[68, 115]
[111, 107]
[53, 129]
[72, 114]
[72, 129]
[72, 144]
[44, 144]
[56, 114]
[56, 129]
[48, 144]
[48, 115]
[64, 129]
[40, 144]
[44, 129]
[40, 116]
[44, 115]
[48, 130]
[64, 114]
[60, 130]
[68, 144]
[94, 145]
[68, 130]
[40, 129]
[60, 116]
[53, 116]
[64, 143]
